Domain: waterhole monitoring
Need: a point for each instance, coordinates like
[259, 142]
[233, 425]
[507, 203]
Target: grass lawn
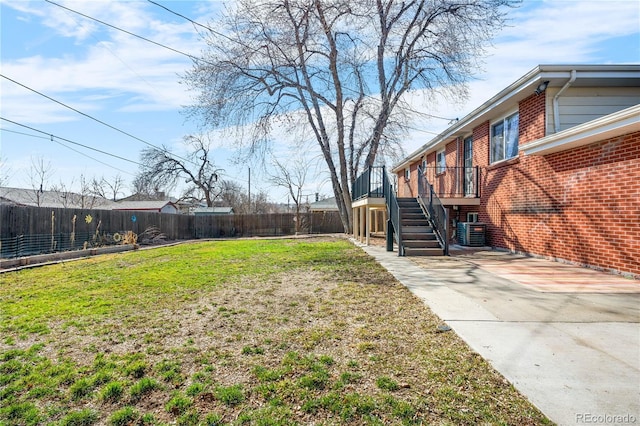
[261, 332]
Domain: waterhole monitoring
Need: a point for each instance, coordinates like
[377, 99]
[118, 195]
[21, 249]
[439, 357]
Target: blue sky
[134, 86]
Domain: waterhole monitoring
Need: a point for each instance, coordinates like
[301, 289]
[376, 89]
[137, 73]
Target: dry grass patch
[243, 332]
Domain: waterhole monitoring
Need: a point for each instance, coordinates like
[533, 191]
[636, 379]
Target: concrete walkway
[566, 337]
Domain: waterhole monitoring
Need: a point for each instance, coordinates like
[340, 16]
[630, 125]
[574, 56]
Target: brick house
[550, 165]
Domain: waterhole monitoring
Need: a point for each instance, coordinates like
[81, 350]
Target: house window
[424, 164]
[472, 217]
[504, 138]
[441, 164]
[407, 173]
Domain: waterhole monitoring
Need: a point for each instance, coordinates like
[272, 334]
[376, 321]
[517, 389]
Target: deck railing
[453, 182]
[369, 184]
[436, 210]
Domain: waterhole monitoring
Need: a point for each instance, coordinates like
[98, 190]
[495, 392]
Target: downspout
[556, 109]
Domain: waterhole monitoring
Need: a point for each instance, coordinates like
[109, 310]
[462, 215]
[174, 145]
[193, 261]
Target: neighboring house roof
[69, 200]
[557, 77]
[51, 199]
[202, 211]
[144, 205]
[160, 196]
[328, 204]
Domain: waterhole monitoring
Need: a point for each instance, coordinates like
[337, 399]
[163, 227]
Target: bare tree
[341, 68]
[40, 173]
[86, 197]
[292, 176]
[235, 196]
[5, 172]
[142, 186]
[64, 193]
[106, 188]
[163, 169]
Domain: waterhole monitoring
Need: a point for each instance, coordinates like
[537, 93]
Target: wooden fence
[38, 229]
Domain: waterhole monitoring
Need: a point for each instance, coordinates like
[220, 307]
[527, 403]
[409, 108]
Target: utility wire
[127, 32]
[92, 158]
[72, 149]
[95, 119]
[257, 50]
[187, 18]
[52, 136]
[106, 47]
[213, 32]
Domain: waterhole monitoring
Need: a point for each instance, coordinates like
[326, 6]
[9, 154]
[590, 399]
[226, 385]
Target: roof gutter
[556, 109]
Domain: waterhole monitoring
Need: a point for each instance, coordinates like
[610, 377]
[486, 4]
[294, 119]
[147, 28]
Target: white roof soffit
[609, 126]
[525, 86]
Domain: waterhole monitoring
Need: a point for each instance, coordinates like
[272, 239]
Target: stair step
[421, 244]
[420, 236]
[408, 251]
[415, 224]
[413, 216]
[405, 214]
[416, 230]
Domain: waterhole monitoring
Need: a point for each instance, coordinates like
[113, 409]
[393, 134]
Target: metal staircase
[417, 225]
[418, 237]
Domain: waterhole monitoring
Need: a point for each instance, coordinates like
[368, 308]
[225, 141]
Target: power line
[127, 32]
[92, 158]
[52, 136]
[213, 32]
[74, 150]
[206, 28]
[185, 17]
[95, 119]
[257, 50]
[181, 53]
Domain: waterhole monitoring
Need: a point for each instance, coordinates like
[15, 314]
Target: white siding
[169, 209]
[578, 105]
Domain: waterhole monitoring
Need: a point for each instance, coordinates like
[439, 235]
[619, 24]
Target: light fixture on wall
[542, 87]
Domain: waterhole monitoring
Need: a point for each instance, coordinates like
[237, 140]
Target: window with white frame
[441, 163]
[424, 164]
[504, 138]
[407, 173]
[472, 217]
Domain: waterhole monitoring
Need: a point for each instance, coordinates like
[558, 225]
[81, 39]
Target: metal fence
[26, 231]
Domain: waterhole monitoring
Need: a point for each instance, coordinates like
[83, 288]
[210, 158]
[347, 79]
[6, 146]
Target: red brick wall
[532, 119]
[580, 205]
[408, 188]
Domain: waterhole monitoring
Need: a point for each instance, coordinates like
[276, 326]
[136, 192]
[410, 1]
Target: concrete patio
[566, 337]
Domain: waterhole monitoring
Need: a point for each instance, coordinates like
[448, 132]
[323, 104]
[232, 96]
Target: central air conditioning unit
[471, 234]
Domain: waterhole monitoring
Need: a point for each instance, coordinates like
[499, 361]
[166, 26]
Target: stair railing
[393, 211]
[436, 211]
